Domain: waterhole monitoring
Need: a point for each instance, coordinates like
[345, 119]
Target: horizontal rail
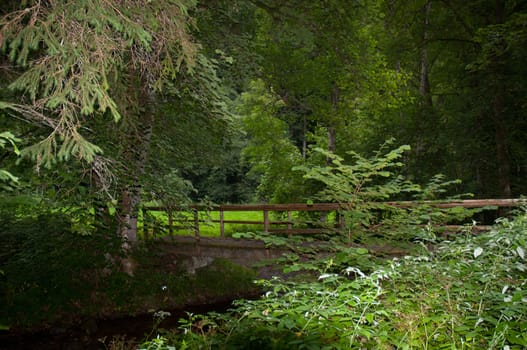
[314, 207]
[465, 203]
[242, 222]
[299, 231]
[253, 207]
[250, 222]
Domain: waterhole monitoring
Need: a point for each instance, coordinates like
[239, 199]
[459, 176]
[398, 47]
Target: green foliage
[7, 180]
[159, 343]
[73, 56]
[170, 189]
[468, 294]
[474, 52]
[97, 60]
[7, 137]
[53, 150]
[474, 292]
[53, 275]
[448, 81]
[194, 111]
[270, 152]
[358, 183]
[365, 185]
[328, 75]
[48, 267]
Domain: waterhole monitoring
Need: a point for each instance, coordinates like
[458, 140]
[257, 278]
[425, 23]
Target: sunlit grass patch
[184, 223]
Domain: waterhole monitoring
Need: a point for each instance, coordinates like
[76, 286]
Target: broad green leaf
[521, 252]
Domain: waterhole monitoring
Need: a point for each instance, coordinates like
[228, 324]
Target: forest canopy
[115, 104]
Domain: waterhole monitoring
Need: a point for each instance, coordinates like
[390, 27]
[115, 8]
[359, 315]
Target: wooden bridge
[193, 251]
[329, 215]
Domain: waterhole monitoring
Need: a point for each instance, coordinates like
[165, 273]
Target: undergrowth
[468, 293]
[52, 275]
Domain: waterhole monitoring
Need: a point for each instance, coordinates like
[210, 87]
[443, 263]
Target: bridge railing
[287, 225]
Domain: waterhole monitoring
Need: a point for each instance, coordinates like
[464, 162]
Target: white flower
[351, 269]
[326, 275]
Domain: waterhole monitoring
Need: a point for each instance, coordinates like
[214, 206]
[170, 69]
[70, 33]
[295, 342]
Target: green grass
[183, 222]
[212, 229]
[158, 223]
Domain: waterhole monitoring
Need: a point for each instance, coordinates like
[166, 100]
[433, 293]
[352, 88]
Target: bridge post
[170, 223]
[145, 225]
[196, 223]
[266, 220]
[222, 224]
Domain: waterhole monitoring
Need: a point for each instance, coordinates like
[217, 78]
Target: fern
[363, 187]
[8, 180]
[361, 181]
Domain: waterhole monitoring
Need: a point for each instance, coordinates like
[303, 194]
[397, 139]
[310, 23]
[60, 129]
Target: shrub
[470, 293]
[48, 268]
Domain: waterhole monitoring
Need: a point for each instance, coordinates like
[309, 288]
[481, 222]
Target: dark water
[97, 334]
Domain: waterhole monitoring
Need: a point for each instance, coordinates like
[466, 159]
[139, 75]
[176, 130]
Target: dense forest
[140, 101]
[107, 106]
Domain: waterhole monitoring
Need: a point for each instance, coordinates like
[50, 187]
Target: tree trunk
[332, 147]
[424, 87]
[502, 156]
[130, 198]
[304, 138]
[500, 125]
[136, 156]
[331, 139]
[424, 84]
[137, 138]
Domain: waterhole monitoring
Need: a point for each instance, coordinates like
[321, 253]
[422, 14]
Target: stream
[97, 334]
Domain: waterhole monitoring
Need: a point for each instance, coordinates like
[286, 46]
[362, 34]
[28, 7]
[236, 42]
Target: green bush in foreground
[469, 293]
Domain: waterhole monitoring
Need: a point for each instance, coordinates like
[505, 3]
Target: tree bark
[424, 86]
[304, 138]
[500, 128]
[424, 83]
[502, 156]
[332, 143]
[331, 139]
[136, 156]
[136, 138]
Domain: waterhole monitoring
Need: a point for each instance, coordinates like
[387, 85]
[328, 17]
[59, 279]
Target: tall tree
[82, 60]
[324, 62]
[464, 57]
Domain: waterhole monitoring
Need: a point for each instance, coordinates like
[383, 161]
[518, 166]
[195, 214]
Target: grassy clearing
[183, 222]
